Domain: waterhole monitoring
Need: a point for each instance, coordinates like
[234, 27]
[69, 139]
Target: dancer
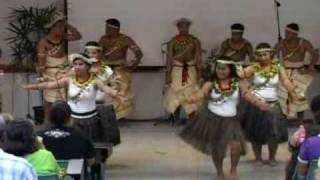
[266, 127]
[293, 50]
[115, 46]
[236, 47]
[82, 89]
[216, 125]
[183, 70]
[52, 60]
[104, 103]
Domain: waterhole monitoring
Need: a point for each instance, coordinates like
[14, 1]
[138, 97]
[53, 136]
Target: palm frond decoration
[27, 26]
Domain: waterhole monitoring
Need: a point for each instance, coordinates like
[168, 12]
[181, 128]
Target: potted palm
[27, 26]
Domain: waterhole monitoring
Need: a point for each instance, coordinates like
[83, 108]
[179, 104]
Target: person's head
[225, 68]
[292, 31]
[60, 113]
[315, 108]
[20, 138]
[57, 24]
[5, 119]
[93, 49]
[237, 31]
[264, 53]
[81, 63]
[183, 25]
[112, 27]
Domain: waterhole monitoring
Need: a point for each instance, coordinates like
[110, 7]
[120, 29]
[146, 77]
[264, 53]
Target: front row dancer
[266, 127]
[104, 102]
[82, 89]
[216, 125]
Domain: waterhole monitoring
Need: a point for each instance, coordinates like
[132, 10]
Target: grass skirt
[211, 134]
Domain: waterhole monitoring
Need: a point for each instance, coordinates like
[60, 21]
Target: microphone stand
[277, 5]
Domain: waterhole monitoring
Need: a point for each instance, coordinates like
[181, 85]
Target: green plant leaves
[26, 25]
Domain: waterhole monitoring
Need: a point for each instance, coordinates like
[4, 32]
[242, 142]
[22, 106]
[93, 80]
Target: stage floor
[156, 152]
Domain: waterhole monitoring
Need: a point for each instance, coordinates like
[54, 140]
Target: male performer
[115, 46]
[52, 60]
[293, 50]
[236, 47]
[183, 69]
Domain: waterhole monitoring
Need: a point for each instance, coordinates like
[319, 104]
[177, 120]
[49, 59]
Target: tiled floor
[156, 152]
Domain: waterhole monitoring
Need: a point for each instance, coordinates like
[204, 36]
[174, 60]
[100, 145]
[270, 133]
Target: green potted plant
[27, 25]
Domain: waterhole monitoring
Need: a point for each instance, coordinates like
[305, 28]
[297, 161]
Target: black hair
[84, 55]
[293, 26]
[20, 138]
[92, 43]
[237, 26]
[232, 67]
[315, 108]
[60, 113]
[263, 45]
[113, 22]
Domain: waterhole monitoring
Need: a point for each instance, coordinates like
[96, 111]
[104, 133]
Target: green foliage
[27, 26]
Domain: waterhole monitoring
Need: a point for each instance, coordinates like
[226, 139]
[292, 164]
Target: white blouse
[227, 106]
[268, 92]
[85, 103]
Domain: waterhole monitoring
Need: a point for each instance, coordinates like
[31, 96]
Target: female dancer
[266, 127]
[217, 126]
[104, 105]
[82, 90]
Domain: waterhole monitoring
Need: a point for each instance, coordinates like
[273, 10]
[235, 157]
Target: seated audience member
[13, 167]
[64, 141]
[310, 148]
[21, 141]
[317, 174]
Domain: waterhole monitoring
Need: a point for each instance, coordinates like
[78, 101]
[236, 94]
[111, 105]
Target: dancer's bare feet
[233, 175]
[258, 162]
[272, 162]
[220, 176]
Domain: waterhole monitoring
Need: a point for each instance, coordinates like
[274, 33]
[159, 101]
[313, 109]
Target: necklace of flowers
[82, 85]
[182, 42]
[275, 67]
[223, 92]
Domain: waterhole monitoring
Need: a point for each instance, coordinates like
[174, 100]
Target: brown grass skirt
[211, 134]
[89, 127]
[264, 127]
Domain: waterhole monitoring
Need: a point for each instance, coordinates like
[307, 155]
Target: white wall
[150, 22]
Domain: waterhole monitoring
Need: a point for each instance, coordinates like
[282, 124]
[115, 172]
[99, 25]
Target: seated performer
[216, 125]
[293, 50]
[236, 47]
[105, 109]
[183, 70]
[115, 46]
[52, 60]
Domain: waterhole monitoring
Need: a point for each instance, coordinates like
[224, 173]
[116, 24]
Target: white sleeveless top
[227, 106]
[84, 106]
[268, 92]
[103, 77]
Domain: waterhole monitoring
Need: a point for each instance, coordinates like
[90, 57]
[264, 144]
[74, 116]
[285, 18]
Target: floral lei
[275, 67]
[181, 42]
[83, 86]
[224, 93]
